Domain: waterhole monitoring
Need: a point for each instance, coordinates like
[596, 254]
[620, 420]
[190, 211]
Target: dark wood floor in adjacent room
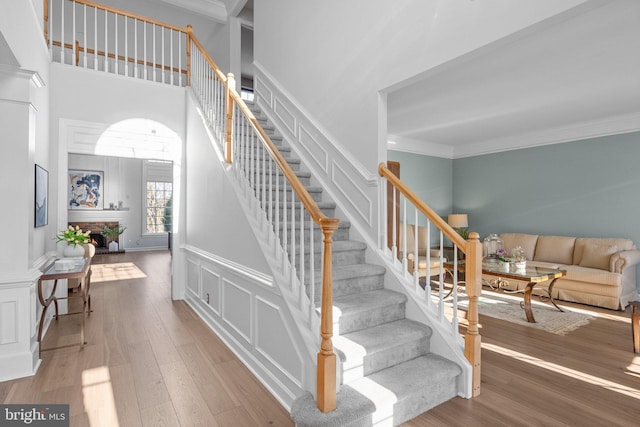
[151, 361]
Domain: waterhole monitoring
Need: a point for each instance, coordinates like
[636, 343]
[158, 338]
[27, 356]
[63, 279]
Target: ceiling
[217, 10]
[575, 78]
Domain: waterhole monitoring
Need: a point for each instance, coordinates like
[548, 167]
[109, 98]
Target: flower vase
[73, 251]
[520, 265]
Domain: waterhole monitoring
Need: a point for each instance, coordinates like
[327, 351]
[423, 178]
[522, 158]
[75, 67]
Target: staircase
[383, 355]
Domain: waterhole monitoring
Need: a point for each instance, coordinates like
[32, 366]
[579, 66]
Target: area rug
[116, 271]
[548, 318]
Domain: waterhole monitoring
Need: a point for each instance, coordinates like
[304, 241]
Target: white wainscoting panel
[251, 318]
[272, 343]
[8, 322]
[342, 176]
[264, 93]
[346, 184]
[236, 308]
[211, 289]
[314, 148]
[284, 115]
[193, 276]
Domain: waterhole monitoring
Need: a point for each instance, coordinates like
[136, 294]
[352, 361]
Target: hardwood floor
[151, 361]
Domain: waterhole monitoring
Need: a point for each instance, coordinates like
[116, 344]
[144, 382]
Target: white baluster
[441, 279]
[73, 34]
[284, 222]
[145, 71]
[62, 61]
[293, 237]
[126, 46]
[106, 43]
[153, 38]
[162, 31]
[95, 38]
[277, 205]
[302, 266]
[312, 272]
[180, 58]
[404, 238]
[116, 54]
[394, 232]
[135, 48]
[416, 258]
[454, 320]
[84, 42]
[264, 176]
[427, 289]
[171, 53]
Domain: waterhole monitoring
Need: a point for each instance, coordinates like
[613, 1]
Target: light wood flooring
[151, 361]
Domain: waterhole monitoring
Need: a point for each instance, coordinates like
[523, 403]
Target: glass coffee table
[532, 275]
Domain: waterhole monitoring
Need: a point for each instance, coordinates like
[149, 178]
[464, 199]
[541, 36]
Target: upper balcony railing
[103, 38]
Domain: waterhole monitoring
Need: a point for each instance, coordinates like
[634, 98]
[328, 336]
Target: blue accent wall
[587, 188]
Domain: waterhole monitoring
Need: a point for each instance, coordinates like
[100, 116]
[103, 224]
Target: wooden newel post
[473, 274]
[228, 126]
[45, 12]
[189, 35]
[326, 380]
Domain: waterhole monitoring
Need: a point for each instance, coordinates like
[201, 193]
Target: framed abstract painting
[85, 189]
[41, 197]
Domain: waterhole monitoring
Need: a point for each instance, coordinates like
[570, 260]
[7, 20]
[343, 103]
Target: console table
[81, 271]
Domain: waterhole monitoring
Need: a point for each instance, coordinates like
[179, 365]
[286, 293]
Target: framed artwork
[41, 197]
[85, 189]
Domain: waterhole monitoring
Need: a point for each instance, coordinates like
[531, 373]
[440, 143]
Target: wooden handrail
[128, 14]
[422, 207]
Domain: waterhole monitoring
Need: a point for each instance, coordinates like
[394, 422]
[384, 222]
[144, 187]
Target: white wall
[333, 57]
[24, 120]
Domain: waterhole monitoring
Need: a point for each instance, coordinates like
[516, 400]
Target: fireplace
[95, 236]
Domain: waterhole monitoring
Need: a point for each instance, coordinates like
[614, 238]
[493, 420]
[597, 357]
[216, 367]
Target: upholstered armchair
[434, 254]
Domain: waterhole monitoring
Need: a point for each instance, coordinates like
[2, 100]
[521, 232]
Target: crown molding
[409, 145]
[212, 9]
[610, 126]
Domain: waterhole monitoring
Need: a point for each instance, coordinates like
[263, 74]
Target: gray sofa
[600, 272]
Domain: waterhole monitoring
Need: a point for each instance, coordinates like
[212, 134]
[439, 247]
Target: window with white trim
[158, 196]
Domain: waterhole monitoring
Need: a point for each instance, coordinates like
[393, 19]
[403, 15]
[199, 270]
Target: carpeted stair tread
[354, 271]
[350, 279]
[417, 385]
[388, 335]
[370, 350]
[353, 303]
[367, 309]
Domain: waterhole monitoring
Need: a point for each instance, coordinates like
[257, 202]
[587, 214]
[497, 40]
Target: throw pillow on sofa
[597, 256]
